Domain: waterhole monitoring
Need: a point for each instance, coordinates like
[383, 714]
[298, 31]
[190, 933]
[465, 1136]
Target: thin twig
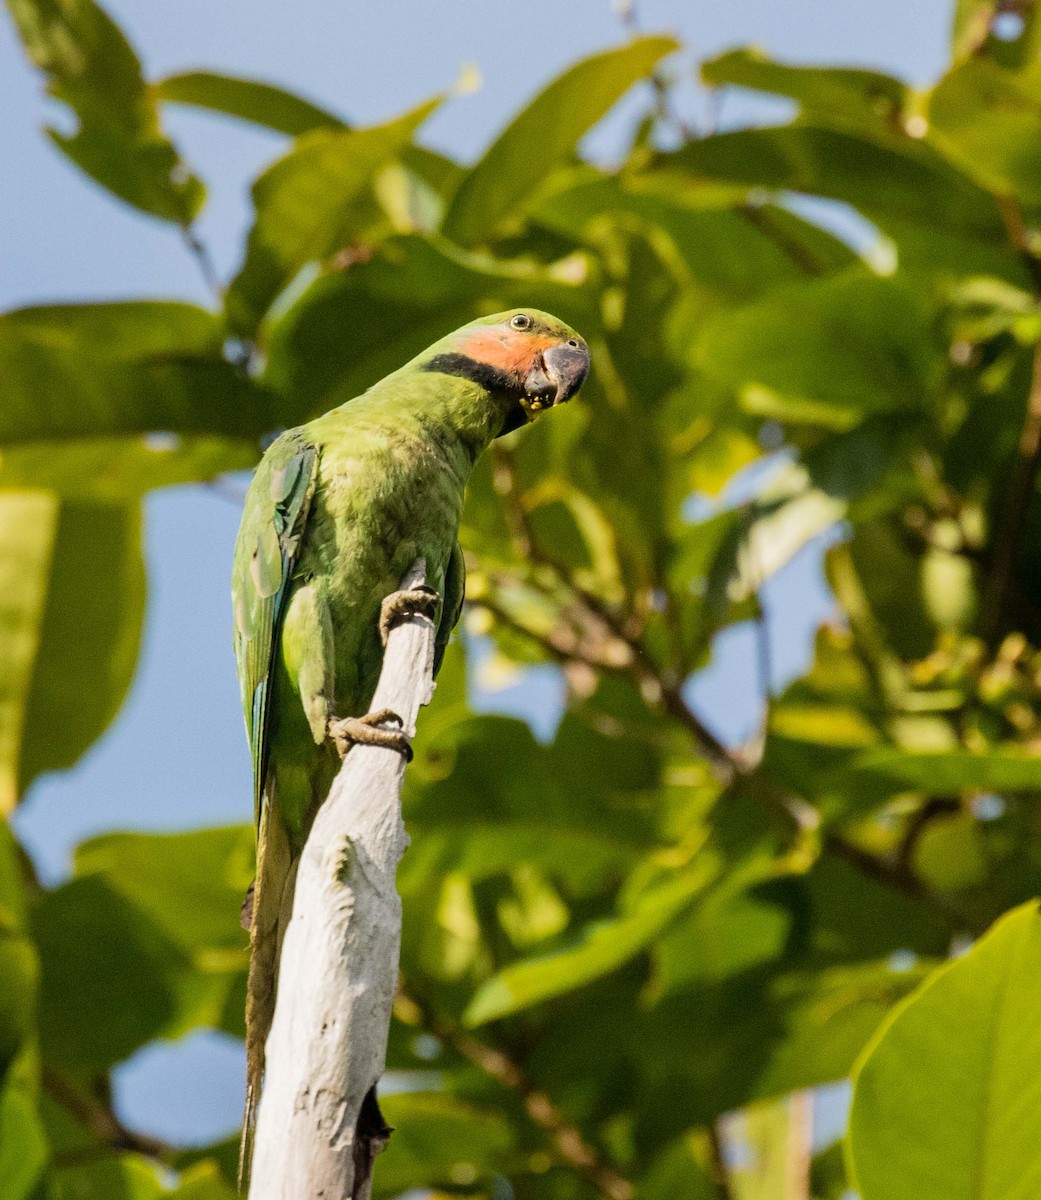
[761, 220]
[571, 1147]
[720, 1170]
[198, 250]
[100, 1120]
[630, 19]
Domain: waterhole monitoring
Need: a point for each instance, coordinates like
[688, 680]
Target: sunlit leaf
[831, 352]
[23, 1145]
[989, 121]
[90, 66]
[303, 208]
[248, 99]
[946, 1101]
[544, 135]
[856, 97]
[439, 1142]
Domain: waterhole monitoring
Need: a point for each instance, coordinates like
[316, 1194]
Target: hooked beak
[557, 375]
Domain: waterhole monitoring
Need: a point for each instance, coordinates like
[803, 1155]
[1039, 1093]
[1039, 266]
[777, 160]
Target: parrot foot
[421, 601]
[368, 731]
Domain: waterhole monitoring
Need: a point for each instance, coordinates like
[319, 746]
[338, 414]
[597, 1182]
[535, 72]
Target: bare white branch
[318, 1126]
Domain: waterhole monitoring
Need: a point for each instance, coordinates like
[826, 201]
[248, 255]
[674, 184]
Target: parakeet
[338, 511]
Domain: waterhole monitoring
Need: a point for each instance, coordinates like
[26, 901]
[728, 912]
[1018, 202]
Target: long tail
[274, 873]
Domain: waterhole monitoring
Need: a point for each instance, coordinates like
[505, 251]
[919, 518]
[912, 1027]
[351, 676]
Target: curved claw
[368, 731]
[417, 601]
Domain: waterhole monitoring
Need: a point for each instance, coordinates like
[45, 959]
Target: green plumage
[337, 512]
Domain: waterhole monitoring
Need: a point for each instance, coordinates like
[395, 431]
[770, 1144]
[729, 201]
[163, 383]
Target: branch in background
[761, 220]
[630, 19]
[97, 1116]
[720, 1171]
[572, 1149]
[204, 260]
[1009, 534]
[1016, 228]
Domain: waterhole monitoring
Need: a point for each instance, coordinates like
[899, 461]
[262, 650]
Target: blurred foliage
[629, 950]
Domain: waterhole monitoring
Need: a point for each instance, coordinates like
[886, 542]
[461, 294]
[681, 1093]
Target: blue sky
[176, 756]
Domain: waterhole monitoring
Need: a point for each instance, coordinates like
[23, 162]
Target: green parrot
[337, 512]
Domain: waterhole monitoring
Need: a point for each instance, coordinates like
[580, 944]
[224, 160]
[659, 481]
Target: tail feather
[268, 894]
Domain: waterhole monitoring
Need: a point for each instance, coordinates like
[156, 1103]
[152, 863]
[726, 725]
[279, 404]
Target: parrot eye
[521, 321]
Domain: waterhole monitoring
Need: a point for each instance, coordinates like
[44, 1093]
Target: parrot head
[529, 355]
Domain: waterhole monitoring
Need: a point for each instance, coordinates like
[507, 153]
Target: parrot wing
[451, 604]
[266, 553]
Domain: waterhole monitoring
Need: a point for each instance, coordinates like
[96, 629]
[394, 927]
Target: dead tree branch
[319, 1126]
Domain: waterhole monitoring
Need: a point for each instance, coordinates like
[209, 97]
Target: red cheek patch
[508, 351]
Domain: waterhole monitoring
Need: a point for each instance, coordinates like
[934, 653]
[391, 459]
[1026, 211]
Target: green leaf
[19, 971]
[947, 1098]
[91, 66]
[704, 1051]
[189, 884]
[948, 772]
[831, 352]
[248, 99]
[765, 1135]
[70, 623]
[88, 634]
[203, 1181]
[683, 1168]
[304, 205]
[119, 469]
[939, 218]
[973, 34]
[120, 1177]
[58, 381]
[601, 948]
[122, 330]
[853, 97]
[23, 1144]
[729, 247]
[122, 970]
[988, 121]
[439, 1142]
[544, 136]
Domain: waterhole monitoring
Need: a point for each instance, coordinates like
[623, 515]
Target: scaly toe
[367, 731]
[421, 601]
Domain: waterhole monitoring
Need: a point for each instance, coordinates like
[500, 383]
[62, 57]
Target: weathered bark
[319, 1127]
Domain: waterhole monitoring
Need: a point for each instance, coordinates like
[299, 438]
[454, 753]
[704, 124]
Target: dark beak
[558, 375]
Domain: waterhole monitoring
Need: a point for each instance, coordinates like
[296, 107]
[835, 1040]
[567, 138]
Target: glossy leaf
[939, 1112]
[108, 977]
[989, 121]
[90, 66]
[248, 99]
[545, 135]
[23, 1145]
[189, 884]
[936, 214]
[847, 95]
[829, 353]
[88, 634]
[54, 386]
[600, 949]
[303, 208]
[439, 1142]
[66, 623]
